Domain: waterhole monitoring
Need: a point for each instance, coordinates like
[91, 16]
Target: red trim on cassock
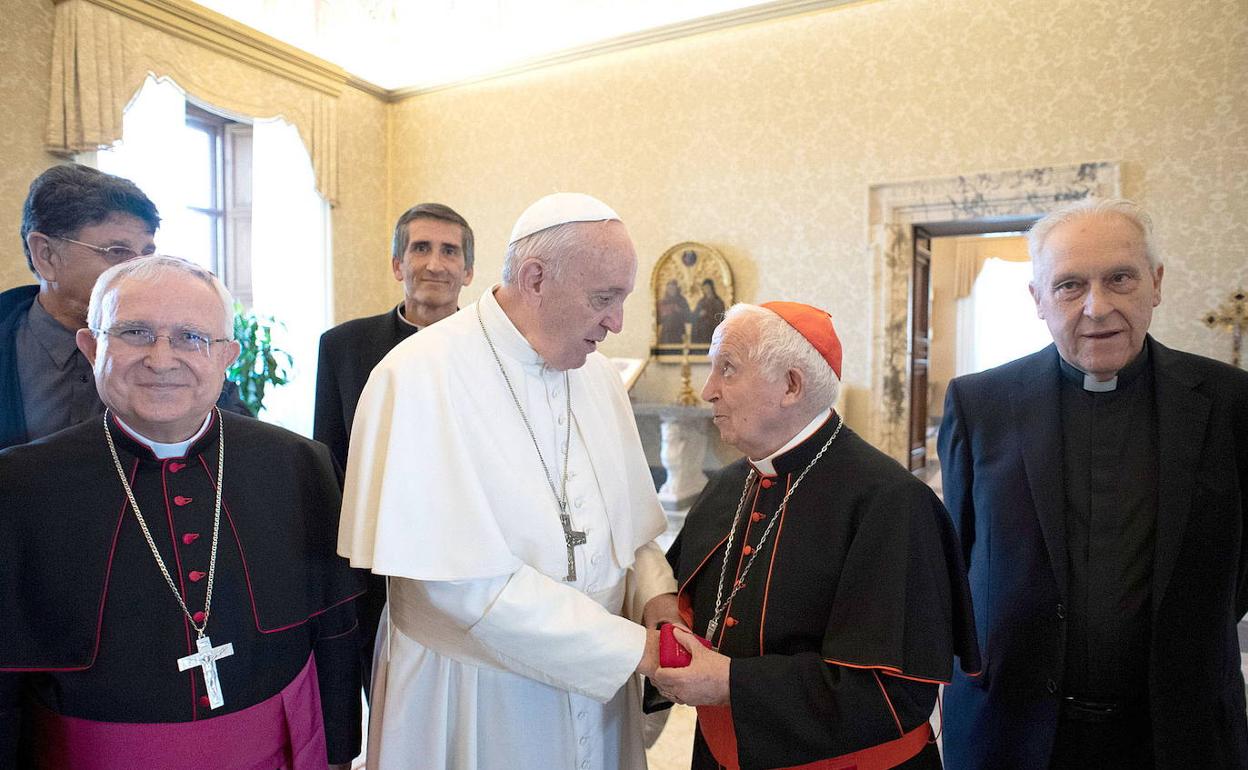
[255, 612]
[889, 702]
[177, 557]
[771, 566]
[890, 670]
[715, 722]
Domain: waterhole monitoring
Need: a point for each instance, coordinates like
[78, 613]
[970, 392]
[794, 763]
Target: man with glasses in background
[76, 223]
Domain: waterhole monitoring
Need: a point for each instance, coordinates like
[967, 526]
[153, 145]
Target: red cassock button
[197, 576]
[204, 702]
[766, 483]
[174, 467]
[730, 621]
[756, 516]
[747, 550]
[190, 537]
[198, 617]
[180, 500]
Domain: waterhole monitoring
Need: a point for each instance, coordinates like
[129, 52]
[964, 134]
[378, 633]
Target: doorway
[970, 310]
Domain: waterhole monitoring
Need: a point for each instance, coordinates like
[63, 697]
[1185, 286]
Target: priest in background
[825, 575]
[497, 476]
[168, 582]
[431, 255]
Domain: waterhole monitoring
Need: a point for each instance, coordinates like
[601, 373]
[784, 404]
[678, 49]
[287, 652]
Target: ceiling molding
[194, 23]
[197, 24]
[766, 12]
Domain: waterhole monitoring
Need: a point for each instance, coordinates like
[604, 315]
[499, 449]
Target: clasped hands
[704, 682]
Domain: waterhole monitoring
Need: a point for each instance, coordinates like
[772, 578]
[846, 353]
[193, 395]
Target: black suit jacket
[1001, 455]
[348, 353]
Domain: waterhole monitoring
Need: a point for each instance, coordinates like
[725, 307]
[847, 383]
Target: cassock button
[765, 483]
[179, 500]
[730, 621]
[174, 467]
[747, 550]
[190, 537]
[204, 702]
[197, 576]
[756, 516]
[198, 617]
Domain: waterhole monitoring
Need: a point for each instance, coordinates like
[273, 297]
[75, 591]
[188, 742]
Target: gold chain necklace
[206, 655]
[721, 604]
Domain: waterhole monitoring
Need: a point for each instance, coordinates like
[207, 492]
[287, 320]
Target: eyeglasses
[183, 341]
[114, 254]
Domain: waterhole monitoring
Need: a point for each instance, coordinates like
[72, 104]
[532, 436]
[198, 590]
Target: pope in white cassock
[497, 477]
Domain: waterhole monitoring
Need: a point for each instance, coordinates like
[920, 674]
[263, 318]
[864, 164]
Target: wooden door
[920, 321]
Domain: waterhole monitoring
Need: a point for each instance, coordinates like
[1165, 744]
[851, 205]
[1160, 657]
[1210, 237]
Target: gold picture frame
[688, 271]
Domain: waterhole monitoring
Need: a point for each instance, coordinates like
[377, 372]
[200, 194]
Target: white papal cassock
[488, 658]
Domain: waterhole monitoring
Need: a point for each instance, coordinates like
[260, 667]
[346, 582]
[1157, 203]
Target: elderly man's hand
[704, 682]
[662, 609]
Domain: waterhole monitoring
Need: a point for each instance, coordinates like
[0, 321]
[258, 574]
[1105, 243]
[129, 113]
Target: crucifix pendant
[710, 627]
[571, 538]
[206, 658]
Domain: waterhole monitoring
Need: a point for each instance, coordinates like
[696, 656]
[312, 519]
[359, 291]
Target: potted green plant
[260, 363]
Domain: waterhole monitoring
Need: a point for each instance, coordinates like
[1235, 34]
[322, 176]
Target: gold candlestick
[686, 397]
[1231, 316]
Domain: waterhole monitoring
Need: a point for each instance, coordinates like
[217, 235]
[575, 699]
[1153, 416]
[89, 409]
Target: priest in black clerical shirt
[1099, 490]
[826, 576]
[168, 583]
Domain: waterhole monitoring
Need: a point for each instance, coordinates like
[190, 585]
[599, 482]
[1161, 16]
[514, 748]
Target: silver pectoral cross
[206, 659]
[572, 538]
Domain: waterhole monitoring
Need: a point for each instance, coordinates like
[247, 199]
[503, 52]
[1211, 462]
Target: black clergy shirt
[1109, 457]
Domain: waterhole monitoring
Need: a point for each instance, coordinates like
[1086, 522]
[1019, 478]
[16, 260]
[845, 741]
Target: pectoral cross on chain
[573, 538]
[206, 659]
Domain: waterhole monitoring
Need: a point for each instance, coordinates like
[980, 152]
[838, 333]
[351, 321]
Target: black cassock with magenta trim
[92, 629]
[848, 620]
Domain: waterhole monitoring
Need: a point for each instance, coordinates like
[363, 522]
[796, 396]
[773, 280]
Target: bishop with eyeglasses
[168, 583]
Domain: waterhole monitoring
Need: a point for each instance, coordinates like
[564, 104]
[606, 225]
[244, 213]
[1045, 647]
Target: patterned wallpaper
[762, 141]
[25, 70]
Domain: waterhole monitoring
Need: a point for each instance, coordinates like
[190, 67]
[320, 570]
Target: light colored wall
[359, 220]
[25, 69]
[763, 140]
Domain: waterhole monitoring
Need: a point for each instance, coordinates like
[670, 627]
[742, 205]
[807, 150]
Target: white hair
[1088, 207]
[151, 268]
[778, 347]
[552, 247]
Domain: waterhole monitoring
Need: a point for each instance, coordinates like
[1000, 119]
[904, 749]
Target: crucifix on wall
[1232, 316]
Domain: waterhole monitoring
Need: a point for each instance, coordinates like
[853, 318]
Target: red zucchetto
[815, 325]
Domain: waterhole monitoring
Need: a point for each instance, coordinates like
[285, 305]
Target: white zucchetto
[560, 209]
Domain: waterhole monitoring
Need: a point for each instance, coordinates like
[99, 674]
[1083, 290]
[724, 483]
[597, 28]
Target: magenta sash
[285, 731]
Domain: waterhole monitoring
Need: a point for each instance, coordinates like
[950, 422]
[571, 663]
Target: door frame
[893, 212]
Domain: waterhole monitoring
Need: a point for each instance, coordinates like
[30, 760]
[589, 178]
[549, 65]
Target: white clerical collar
[403, 318]
[165, 451]
[766, 465]
[508, 339]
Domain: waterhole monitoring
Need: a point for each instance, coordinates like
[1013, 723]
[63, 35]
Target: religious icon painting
[692, 286]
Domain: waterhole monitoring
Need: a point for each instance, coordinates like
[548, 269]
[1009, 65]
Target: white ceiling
[424, 44]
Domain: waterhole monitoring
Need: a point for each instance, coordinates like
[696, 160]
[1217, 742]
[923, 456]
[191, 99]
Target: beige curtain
[972, 253]
[89, 92]
[100, 59]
